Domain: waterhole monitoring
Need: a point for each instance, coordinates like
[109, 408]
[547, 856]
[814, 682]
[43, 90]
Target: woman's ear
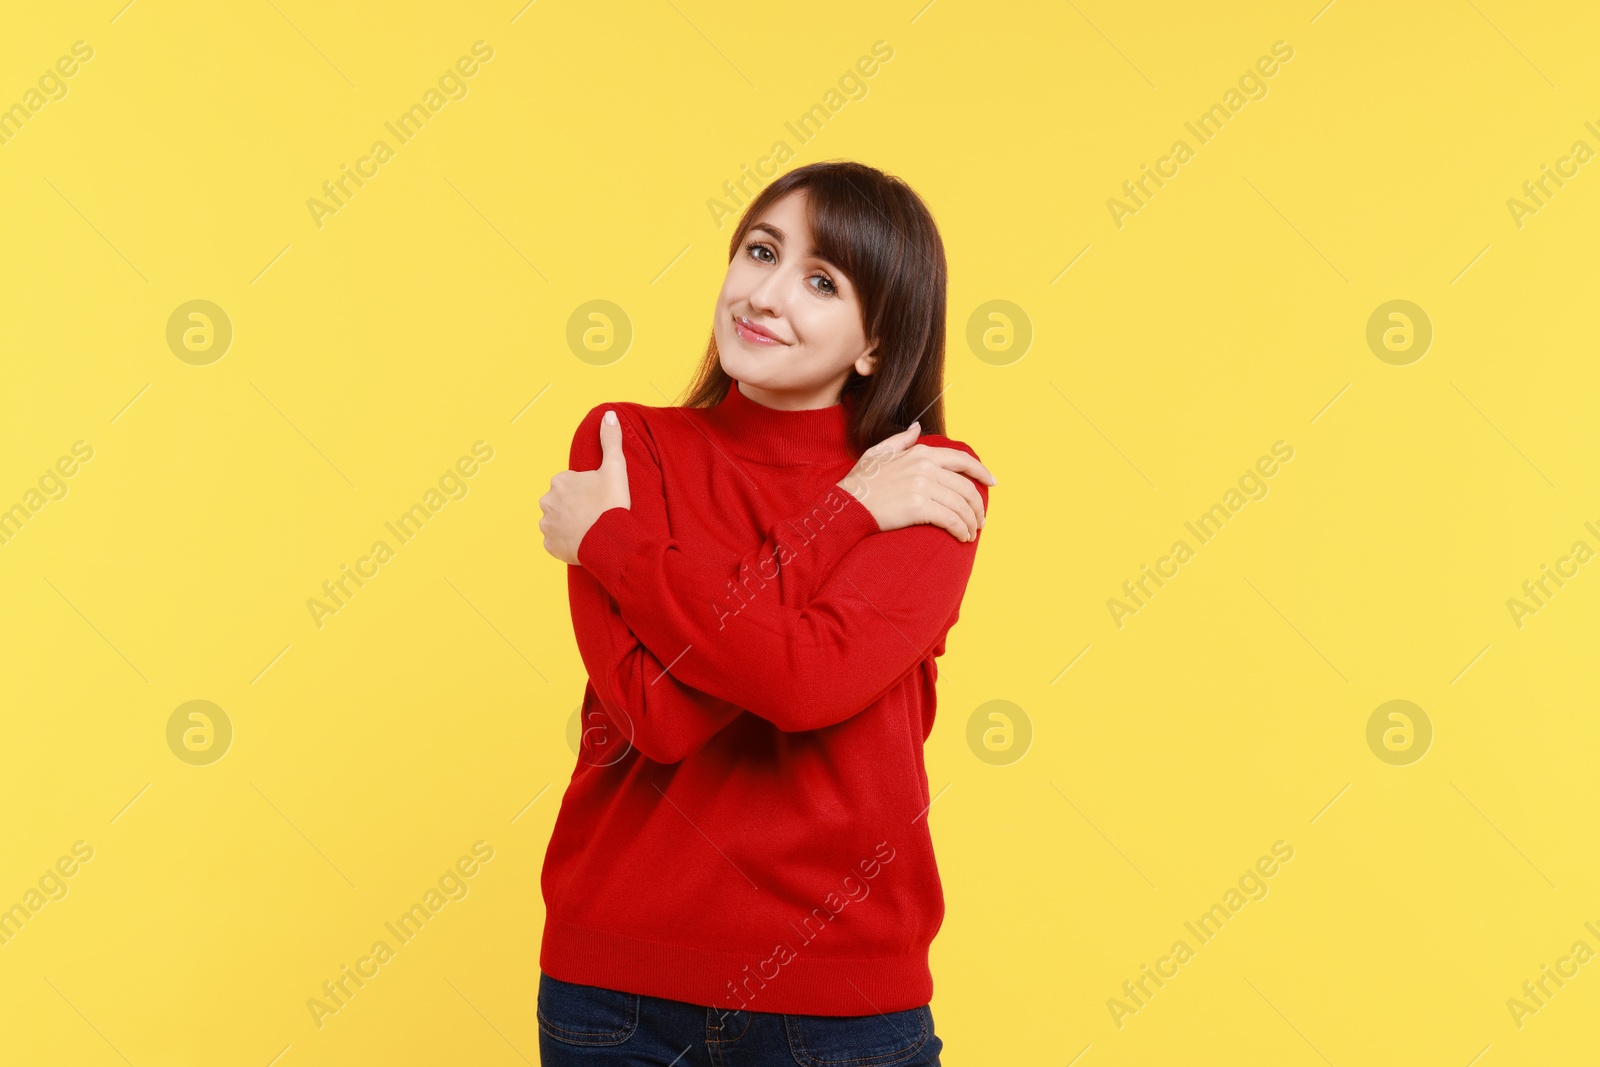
[867, 362]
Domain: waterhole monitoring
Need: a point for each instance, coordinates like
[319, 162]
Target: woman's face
[808, 306]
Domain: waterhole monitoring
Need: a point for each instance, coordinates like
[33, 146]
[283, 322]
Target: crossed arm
[665, 718]
[684, 647]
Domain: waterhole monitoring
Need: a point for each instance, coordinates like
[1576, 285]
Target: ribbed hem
[808, 984]
[608, 544]
[833, 526]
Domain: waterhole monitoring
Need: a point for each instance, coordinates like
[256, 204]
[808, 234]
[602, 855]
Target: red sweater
[746, 826]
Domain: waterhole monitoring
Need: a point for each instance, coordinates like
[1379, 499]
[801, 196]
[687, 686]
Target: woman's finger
[897, 442]
[960, 483]
[957, 460]
[947, 509]
[946, 506]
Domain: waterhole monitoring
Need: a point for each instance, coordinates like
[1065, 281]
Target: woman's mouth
[752, 333]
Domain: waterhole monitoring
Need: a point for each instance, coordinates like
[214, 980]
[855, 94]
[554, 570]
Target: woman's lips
[752, 336]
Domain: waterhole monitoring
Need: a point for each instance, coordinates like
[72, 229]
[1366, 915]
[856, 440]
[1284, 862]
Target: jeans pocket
[882, 1040]
[584, 1014]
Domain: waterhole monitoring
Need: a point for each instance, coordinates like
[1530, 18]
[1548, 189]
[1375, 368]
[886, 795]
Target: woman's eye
[755, 248]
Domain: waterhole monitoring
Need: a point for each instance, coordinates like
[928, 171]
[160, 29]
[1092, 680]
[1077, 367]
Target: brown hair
[880, 233]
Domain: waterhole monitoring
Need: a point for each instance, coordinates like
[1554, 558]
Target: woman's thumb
[610, 440]
[896, 443]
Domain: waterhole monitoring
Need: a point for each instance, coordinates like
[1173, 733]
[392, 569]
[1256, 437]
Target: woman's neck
[823, 396]
[784, 437]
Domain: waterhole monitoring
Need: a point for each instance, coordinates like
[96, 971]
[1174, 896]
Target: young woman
[741, 872]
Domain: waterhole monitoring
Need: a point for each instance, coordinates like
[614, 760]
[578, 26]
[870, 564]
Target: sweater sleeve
[874, 616]
[666, 719]
[650, 709]
[800, 551]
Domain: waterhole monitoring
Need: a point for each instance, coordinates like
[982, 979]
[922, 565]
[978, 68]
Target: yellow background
[432, 312]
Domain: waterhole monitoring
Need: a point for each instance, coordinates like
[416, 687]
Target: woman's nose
[767, 297]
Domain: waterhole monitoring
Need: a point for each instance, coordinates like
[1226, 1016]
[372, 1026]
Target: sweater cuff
[608, 545]
[843, 529]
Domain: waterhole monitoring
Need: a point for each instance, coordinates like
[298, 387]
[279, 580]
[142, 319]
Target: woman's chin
[740, 366]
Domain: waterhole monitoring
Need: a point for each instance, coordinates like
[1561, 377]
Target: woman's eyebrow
[779, 234]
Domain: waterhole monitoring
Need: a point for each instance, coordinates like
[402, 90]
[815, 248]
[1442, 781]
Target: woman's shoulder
[621, 407]
[638, 423]
[632, 414]
[939, 440]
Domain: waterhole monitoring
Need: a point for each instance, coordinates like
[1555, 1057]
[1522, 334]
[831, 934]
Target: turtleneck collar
[783, 438]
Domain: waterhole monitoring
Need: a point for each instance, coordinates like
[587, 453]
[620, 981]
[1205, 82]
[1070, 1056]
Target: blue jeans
[583, 1025]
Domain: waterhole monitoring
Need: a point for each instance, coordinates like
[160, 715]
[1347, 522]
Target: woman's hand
[577, 498]
[903, 483]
